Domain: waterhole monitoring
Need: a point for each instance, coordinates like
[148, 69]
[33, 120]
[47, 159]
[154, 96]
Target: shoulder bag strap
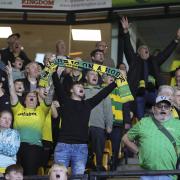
[165, 132]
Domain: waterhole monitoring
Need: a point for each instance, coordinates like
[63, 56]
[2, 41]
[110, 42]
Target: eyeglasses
[165, 106]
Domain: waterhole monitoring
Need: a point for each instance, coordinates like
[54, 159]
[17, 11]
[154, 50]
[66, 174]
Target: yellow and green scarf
[121, 81]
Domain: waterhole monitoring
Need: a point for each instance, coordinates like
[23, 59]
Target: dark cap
[15, 34]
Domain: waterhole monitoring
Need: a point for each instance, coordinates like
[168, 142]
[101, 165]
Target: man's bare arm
[130, 144]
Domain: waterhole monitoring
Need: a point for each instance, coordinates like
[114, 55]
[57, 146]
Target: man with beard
[97, 56]
[155, 150]
[75, 113]
[108, 61]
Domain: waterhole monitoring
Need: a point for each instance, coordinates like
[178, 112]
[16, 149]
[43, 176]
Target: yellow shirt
[29, 122]
[47, 128]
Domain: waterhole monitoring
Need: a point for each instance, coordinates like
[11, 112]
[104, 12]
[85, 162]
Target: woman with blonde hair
[29, 119]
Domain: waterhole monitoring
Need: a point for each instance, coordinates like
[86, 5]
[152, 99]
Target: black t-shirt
[75, 114]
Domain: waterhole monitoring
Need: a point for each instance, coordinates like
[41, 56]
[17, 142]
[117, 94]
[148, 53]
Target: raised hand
[60, 70]
[12, 91]
[125, 24]
[9, 68]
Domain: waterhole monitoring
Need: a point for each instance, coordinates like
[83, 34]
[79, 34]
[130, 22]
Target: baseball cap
[163, 99]
[15, 34]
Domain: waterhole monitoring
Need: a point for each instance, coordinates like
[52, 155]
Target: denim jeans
[74, 153]
[156, 178]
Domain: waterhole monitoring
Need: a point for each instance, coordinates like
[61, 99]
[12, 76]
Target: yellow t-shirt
[29, 122]
[47, 128]
[2, 170]
[174, 113]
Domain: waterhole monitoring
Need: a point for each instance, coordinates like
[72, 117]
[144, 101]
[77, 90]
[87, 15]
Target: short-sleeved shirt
[156, 152]
[29, 122]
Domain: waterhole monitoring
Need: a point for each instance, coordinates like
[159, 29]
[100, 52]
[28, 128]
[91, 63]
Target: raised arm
[128, 49]
[54, 106]
[46, 94]
[125, 24]
[50, 94]
[95, 100]
[164, 55]
[13, 95]
[58, 87]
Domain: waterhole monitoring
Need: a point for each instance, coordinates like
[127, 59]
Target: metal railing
[35, 177]
[110, 174]
[131, 173]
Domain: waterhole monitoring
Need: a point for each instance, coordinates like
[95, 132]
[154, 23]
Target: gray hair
[165, 87]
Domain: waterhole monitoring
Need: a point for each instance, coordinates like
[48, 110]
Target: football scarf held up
[76, 64]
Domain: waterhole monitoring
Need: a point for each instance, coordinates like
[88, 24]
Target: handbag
[171, 139]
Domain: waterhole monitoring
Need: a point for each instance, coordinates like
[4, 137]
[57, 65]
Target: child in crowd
[14, 172]
[18, 73]
[58, 172]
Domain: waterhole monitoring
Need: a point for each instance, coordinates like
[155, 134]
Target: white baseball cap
[163, 99]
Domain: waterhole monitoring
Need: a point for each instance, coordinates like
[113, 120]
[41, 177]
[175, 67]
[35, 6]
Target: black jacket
[7, 55]
[136, 64]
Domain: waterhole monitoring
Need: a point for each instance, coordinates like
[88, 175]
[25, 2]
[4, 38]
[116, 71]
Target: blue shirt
[9, 145]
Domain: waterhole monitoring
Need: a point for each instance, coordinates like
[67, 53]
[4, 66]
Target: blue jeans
[74, 153]
[155, 178]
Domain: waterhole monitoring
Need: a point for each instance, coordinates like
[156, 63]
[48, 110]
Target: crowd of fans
[80, 109]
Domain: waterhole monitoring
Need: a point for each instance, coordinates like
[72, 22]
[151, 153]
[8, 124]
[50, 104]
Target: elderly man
[156, 152]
